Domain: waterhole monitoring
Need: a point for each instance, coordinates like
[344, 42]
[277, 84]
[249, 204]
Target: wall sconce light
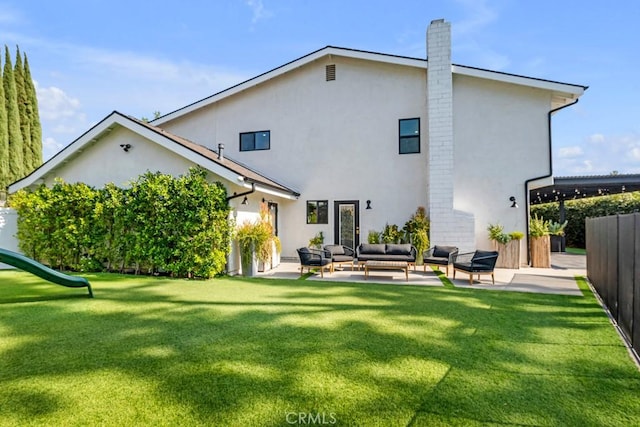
[245, 201]
[514, 204]
[126, 147]
[368, 205]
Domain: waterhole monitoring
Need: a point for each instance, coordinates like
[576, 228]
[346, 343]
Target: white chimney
[448, 226]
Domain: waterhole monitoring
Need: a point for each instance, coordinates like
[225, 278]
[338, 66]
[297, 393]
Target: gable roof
[563, 93]
[224, 167]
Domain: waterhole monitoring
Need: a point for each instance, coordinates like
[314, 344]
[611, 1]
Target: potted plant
[256, 242]
[416, 232]
[317, 241]
[507, 245]
[539, 244]
[556, 232]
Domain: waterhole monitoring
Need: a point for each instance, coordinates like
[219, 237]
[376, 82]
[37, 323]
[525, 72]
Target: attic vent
[331, 72]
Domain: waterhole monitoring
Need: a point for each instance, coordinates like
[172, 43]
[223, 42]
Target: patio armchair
[478, 262]
[439, 256]
[314, 258]
[340, 254]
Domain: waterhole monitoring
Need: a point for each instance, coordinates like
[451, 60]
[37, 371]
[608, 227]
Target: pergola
[580, 187]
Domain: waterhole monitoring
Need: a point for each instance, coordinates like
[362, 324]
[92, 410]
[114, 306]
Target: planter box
[508, 255]
[558, 244]
[540, 252]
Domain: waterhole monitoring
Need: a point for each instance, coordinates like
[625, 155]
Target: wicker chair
[314, 258]
[439, 256]
[341, 254]
[478, 262]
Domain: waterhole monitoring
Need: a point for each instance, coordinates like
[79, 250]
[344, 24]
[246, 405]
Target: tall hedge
[576, 211]
[160, 224]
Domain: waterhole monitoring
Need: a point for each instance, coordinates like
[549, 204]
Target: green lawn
[238, 352]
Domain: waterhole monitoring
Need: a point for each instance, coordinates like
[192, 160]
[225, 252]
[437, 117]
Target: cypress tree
[34, 117]
[4, 140]
[16, 158]
[23, 109]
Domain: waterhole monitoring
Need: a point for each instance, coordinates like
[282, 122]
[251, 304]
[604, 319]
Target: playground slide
[34, 267]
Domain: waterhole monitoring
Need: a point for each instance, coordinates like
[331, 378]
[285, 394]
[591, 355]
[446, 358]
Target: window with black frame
[252, 141]
[409, 136]
[317, 212]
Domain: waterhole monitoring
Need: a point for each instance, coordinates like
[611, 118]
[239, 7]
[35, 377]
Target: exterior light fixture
[369, 204]
[125, 147]
[245, 201]
[514, 204]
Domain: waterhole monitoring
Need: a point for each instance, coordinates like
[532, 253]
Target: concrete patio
[559, 279]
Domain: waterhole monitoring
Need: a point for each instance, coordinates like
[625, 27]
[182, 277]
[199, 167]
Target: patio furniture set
[397, 257]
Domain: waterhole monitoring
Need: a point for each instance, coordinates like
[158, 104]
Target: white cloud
[570, 152]
[479, 15]
[54, 103]
[50, 147]
[259, 11]
[600, 155]
[635, 153]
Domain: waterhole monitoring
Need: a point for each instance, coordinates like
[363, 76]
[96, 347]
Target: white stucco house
[359, 138]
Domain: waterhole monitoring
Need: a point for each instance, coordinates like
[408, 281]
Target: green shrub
[496, 233]
[178, 225]
[577, 211]
[538, 227]
[373, 236]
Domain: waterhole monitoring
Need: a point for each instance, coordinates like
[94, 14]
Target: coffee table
[386, 265]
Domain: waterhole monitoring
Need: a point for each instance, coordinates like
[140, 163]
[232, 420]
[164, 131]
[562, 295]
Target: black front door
[347, 223]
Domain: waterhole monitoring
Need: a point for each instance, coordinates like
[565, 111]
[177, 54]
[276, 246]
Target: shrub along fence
[576, 211]
[613, 246]
[179, 226]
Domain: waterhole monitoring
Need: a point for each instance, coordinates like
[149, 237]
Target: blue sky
[91, 57]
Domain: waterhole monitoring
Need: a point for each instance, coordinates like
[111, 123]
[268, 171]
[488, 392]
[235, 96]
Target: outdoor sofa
[386, 252]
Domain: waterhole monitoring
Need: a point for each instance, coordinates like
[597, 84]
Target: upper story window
[250, 141]
[409, 136]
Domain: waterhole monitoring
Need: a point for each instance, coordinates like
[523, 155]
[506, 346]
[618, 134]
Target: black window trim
[326, 203]
[402, 137]
[254, 140]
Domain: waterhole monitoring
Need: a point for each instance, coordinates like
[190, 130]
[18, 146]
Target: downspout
[253, 189]
[527, 182]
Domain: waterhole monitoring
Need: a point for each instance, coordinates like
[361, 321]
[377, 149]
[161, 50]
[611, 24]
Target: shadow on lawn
[238, 352]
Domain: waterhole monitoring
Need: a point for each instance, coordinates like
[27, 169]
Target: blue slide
[34, 267]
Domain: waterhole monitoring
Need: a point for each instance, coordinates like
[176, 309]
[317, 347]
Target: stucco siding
[331, 140]
[501, 141]
[105, 161]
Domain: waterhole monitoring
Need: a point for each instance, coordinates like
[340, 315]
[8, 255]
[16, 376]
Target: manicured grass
[576, 251]
[258, 352]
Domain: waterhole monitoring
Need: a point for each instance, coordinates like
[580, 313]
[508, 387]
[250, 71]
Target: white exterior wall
[8, 230]
[105, 161]
[501, 141]
[335, 141]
